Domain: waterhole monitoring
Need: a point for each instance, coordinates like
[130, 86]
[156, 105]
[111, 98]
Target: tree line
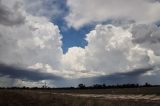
[83, 86]
[99, 86]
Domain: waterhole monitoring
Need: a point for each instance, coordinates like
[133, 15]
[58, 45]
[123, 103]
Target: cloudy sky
[67, 42]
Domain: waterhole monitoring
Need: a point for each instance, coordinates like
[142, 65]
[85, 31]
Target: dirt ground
[51, 98]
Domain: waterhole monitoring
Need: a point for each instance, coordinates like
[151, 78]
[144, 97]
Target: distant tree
[147, 84]
[97, 86]
[81, 86]
[23, 87]
[104, 85]
[45, 85]
[71, 87]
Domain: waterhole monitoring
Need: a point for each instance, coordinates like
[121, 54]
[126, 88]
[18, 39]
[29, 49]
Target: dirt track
[112, 96]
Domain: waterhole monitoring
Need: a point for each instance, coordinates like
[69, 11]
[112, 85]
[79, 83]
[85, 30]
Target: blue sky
[72, 37]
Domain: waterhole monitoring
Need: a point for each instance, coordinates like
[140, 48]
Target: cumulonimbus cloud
[113, 49]
[35, 44]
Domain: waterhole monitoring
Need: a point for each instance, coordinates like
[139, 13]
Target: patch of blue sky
[71, 36]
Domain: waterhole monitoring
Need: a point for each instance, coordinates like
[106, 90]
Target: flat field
[144, 96]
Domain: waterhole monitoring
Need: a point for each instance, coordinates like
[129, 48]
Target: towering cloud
[27, 40]
[113, 49]
[37, 40]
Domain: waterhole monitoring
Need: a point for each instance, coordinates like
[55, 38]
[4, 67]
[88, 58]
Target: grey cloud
[143, 33]
[47, 8]
[137, 72]
[84, 12]
[125, 23]
[26, 74]
[147, 36]
[10, 17]
[154, 1]
[152, 79]
[134, 76]
[128, 77]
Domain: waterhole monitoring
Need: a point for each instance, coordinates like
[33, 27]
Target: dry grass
[140, 90]
[35, 98]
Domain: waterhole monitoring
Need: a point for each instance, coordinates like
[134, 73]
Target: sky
[67, 42]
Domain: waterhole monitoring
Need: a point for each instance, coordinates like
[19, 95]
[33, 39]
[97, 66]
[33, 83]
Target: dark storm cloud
[33, 75]
[136, 72]
[10, 17]
[128, 77]
[133, 76]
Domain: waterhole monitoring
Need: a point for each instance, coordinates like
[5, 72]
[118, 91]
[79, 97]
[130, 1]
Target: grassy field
[139, 90]
[78, 97]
